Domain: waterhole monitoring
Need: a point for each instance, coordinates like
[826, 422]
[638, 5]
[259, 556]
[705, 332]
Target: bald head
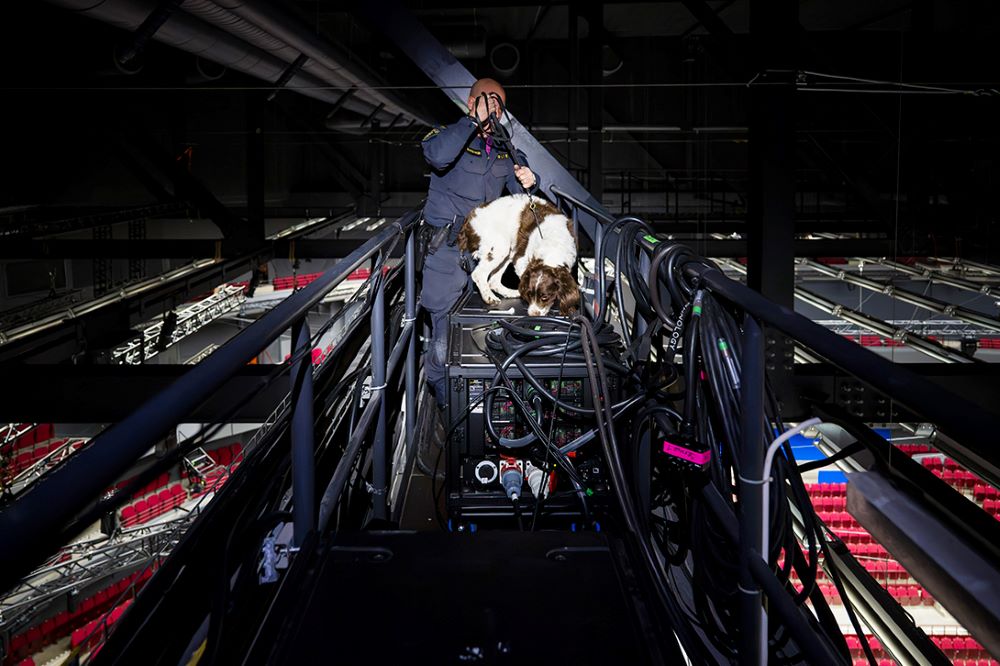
[492, 90]
[487, 86]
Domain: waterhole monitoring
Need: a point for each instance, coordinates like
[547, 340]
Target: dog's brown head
[543, 286]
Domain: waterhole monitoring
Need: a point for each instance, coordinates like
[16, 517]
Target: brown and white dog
[543, 252]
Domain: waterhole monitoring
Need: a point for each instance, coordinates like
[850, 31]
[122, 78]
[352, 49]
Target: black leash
[503, 139]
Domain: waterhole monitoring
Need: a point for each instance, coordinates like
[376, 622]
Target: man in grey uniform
[467, 169]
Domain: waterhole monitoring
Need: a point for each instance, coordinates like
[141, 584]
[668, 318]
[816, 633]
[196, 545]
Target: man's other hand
[525, 176]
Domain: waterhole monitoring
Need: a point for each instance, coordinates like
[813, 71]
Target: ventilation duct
[263, 59]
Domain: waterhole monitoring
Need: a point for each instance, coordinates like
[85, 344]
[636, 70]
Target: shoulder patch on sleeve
[434, 132]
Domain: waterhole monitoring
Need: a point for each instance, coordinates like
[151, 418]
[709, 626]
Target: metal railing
[38, 522]
[963, 423]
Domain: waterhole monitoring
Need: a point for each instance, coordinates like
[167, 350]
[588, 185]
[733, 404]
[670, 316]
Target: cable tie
[755, 482]
[377, 388]
[745, 590]
[408, 320]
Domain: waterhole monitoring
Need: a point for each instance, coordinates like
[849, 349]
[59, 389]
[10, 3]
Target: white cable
[765, 533]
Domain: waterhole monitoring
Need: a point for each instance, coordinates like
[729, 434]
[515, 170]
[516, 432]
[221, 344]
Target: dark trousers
[443, 284]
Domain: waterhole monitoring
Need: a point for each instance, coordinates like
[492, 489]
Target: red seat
[154, 506]
[141, 511]
[128, 515]
[177, 489]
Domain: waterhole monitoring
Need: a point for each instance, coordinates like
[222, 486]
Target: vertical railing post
[303, 473]
[640, 323]
[753, 647]
[410, 287]
[600, 292]
[380, 458]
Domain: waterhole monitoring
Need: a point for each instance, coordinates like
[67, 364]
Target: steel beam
[413, 39]
[753, 648]
[303, 435]
[890, 290]
[955, 573]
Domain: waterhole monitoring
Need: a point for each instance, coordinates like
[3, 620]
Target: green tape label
[651, 239]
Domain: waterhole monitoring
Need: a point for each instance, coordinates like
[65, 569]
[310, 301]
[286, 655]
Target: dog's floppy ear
[569, 292]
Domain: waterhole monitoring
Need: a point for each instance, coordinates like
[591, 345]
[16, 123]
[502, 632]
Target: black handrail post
[379, 455]
[600, 289]
[303, 472]
[752, 646]
[640, 323]
[410, 287]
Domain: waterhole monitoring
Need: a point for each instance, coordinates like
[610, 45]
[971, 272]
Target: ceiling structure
[136, 129]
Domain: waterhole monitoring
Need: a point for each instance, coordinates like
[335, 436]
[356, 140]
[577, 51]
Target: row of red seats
[964, 650]
[836, 503]
[981, 491]
[885, 569]
[838, 519]
[992, 507]
[935, 462]
[26, 459]
[874, 341]
[153, 486]
[957, 478]
[93, 632]
[144, 510]
[826, 489]
[54, 628]
[42, 432]
[290, 281]
[906, 595]
[910, 449]
[985, 661]
[227, 455]
[865, 546]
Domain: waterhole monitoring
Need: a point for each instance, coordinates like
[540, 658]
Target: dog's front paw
[490, 299]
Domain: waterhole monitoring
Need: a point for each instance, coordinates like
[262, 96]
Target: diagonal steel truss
[190, 319]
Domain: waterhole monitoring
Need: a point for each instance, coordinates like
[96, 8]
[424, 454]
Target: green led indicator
[722, 345]
[590, 492]
[538, 328]
[697, 309]
[651, 239]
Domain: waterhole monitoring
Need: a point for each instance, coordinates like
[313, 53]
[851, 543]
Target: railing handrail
[957, 417]
[30, 526]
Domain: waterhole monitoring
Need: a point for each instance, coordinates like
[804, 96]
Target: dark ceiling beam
[345, 172]
[186, 185]
[78, 219]
[108, 393]
[707, 18]
[161, 249]
[334, 248]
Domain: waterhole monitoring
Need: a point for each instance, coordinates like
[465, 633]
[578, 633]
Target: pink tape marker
[686, 454]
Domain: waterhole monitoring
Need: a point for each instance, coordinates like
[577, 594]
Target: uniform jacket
[463, 175]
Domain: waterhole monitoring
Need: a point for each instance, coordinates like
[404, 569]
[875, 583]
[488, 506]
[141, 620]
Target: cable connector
[511, 477]
[699, 301]
[685, 454]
